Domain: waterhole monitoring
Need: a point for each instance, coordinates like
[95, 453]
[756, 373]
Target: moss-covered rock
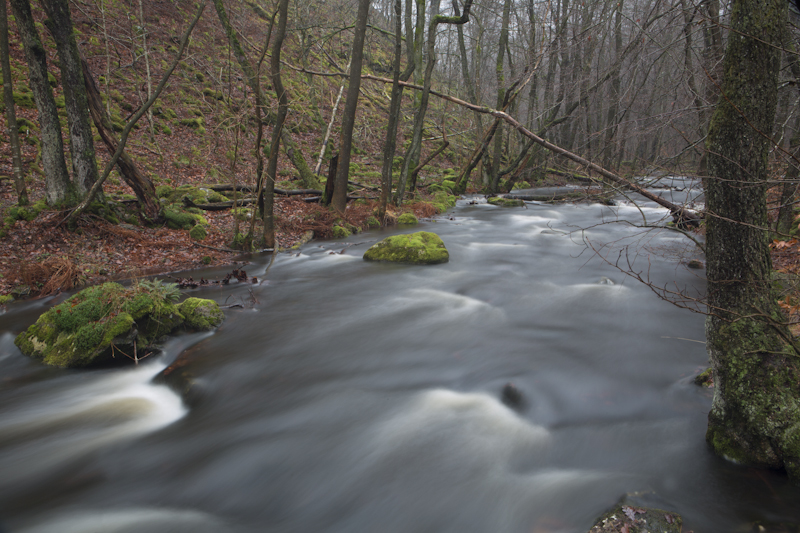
[705, 378]
[423, 248]
[443, 201]
[27, 213]
[635, 519]
[198, 232]
[6, 299]
[110, 321]
[177, 219]
[198, 195]
[505, 202]
[340, 232]
[407, 219]
[201, 314]
[372, 222]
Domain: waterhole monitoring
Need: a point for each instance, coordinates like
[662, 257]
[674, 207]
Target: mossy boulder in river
[501, 201]
[109, 321]
[421, 248]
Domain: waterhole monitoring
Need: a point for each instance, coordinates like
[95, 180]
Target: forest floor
[42, 256]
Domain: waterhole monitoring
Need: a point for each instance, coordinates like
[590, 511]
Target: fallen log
[546, 197]
[218, 206]
[297, 192]
[317, 198]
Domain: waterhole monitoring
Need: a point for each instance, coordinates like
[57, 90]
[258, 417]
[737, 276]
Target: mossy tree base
[755, 416]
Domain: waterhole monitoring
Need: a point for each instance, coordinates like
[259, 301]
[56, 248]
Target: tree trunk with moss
[755, 415]
[11, 114]
[58, 187]
[84, 166]
[307, 177]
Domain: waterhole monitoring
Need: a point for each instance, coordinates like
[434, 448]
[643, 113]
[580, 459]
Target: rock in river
[421, 248]
[106, 321]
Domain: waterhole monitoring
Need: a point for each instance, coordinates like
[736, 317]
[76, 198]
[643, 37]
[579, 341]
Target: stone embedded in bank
[421, 248]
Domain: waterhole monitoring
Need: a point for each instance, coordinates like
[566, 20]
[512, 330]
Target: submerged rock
[628, 517]
[107, 321]
[512, 397]
[421, 248]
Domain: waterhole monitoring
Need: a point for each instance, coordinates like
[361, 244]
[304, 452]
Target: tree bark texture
[755, 415]
[11, 114]
[81, 145]
[58, 188]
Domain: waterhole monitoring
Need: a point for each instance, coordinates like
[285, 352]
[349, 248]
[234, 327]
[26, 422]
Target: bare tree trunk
[390, 144]
[501, 93]
[58, 188]
[11, 114]
[81, 146]
[268, 217]
[613, 105]
[339, 200]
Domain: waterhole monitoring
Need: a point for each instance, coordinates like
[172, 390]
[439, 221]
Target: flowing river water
[347, 396]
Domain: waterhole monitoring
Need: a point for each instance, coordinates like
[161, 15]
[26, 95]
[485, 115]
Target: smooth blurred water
[347, 396]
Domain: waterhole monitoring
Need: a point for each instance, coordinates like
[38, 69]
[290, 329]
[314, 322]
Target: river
[347, 396]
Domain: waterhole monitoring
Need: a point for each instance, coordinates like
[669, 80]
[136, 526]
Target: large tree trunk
[141, 185]
[339, 200]
[11, 114]
[58, 188]
[81, 146]
[755, 415]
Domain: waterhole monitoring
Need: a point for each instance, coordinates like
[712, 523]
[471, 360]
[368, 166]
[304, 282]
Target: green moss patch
[421, 248]
[201, 314]
[198, 232]
[407, 219]
[340, 232]
[109, 321]
[499, 201]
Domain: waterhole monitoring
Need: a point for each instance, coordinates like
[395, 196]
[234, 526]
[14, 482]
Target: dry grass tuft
[56, 273]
